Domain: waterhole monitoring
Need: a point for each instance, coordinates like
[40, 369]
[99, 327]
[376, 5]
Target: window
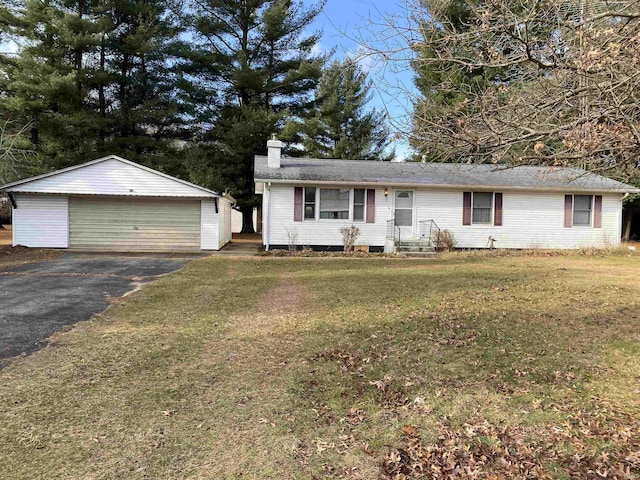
[358, 204]
[482, 206]
[582, 210]
[404, 208]
[334, 203]
[310, 203]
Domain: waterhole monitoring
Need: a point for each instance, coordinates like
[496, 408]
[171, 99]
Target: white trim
[8, 186]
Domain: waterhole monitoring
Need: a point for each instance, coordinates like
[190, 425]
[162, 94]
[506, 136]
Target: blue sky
[347, 23]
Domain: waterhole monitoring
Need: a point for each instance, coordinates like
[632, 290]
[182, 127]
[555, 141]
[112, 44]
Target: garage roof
[111, 175]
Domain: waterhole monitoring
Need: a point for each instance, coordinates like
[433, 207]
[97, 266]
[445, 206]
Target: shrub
[444, 240]
[292, 239]
[349, 237]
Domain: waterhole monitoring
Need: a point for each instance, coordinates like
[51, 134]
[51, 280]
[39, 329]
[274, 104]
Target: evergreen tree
[340, 126]
[95, 77]
[257, 57]
[41, 85]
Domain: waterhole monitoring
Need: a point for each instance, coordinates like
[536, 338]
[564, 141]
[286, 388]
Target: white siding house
[309, 200]
[114, 204]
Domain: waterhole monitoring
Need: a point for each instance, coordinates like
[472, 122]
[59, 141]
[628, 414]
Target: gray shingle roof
[309, 170]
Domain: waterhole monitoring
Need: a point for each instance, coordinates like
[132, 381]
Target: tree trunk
[247, 219]
[627, 226]
[78, 54]
[124, 75]
[101, 97]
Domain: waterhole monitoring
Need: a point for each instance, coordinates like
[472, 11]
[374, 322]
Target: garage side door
[134, 224]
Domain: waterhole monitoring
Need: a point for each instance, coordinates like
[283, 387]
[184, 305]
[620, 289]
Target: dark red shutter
[371, 205]
[497, 214]
[466, 208]
[568, 210]
[597, 211]
[298, 204]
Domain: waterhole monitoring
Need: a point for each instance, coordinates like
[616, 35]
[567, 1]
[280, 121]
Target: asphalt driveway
[38, 299]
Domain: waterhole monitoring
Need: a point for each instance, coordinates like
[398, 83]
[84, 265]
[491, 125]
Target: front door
[404, 213]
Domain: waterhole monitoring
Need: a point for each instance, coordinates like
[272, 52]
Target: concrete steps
[416, 248]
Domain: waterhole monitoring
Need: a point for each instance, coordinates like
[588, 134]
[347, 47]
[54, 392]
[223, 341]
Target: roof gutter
[382, 184]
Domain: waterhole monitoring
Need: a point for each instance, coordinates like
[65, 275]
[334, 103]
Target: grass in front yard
[341, 368]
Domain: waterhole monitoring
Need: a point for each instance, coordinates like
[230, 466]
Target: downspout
[267, 225]
[12, 199]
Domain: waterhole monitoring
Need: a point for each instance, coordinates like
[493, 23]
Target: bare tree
[15, 160]
[553, 82]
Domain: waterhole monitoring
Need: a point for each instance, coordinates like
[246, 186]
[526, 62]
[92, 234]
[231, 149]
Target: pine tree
[42, 85]
[340, 126]
[257, 59]
[95, 77]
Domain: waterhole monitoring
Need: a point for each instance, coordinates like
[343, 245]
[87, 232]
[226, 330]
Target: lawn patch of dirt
[286, 294]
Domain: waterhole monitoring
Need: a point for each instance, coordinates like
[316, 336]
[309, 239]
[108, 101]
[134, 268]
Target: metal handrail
[393, 231]
[429, 229]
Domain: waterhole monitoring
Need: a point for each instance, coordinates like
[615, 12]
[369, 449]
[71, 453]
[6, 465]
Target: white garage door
[134, 224]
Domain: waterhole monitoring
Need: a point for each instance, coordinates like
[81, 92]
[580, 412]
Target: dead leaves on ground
[597, 443]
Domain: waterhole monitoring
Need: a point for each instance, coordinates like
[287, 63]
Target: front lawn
[466, 366]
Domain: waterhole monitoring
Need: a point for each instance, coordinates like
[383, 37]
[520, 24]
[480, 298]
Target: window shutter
[371, 205]
[568, 210]
[497, 214]
[466, 208]
[597, 211]
[298, 205]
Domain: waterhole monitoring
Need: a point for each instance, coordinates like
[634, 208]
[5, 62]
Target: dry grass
[5, 235]
[314, 368]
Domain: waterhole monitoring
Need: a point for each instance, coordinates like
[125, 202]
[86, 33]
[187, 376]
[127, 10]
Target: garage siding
[224, 224]
[134, 224]
[41, 221]
[209, 228]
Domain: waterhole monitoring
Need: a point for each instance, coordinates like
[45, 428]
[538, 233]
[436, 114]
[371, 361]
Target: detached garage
[114, 204]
